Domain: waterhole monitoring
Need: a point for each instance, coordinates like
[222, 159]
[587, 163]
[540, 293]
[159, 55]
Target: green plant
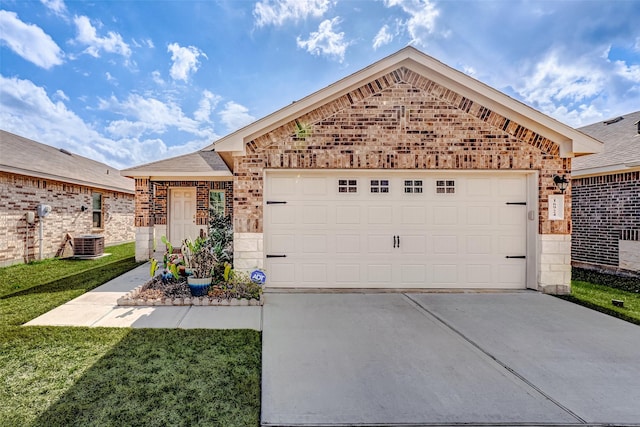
[153, 267]
[221, 240]
[199, 257]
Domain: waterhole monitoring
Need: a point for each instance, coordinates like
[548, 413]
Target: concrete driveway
[446, 359]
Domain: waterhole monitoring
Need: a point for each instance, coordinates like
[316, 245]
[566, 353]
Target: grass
[598, 297]
[23, 276]
[61, 376]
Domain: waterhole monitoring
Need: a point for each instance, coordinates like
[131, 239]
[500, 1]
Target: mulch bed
[171, 292]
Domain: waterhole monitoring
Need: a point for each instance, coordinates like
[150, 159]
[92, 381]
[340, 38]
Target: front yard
[60, 376]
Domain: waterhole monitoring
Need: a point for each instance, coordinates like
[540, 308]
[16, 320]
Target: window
[97, 210]
[445, 186]
[379, 185]
[347, 186]
[413, 186]
[216, 203]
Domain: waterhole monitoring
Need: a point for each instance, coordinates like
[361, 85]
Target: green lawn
[60, 376]
[599, 297]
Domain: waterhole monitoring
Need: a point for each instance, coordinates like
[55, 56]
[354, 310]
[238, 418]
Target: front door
[182, 216]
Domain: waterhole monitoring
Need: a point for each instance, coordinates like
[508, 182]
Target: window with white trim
[96, 207]
[216, 202]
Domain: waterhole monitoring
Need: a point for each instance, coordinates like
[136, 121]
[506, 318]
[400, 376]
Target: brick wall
[401, 120]
[152, 200]
[20, 194]
[606, 209]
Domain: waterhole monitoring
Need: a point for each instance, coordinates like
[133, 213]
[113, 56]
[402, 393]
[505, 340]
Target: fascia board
[605, 170]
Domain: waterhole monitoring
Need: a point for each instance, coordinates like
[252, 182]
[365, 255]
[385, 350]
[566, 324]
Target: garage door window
[379, 185]
[445, 186]
[347, 186]
[413, 186]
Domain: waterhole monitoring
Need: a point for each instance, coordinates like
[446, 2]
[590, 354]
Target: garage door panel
[445, 215]
[450, 231]
[379, 243]
[314, 244]
[348, 274]
[379, 215]
[281, 243]
[348, 244]
[348, 215]
[445, 274]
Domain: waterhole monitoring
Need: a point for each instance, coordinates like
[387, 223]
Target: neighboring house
[606, 198]
[86, 197]
[406, 174]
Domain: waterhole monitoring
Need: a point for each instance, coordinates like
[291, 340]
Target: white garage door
[395, 230]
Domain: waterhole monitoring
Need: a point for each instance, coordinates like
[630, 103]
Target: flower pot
[198, 287]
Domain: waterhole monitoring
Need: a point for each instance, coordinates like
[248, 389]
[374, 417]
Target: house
[406, 174]
[85, 198]
[606, 198]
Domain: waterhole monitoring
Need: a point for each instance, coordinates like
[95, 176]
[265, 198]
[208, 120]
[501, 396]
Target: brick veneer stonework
[151, 209]
[20, 194]
[606, 210]
[401, 120]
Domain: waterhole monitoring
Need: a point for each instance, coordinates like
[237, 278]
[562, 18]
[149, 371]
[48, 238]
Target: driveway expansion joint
[425, 310]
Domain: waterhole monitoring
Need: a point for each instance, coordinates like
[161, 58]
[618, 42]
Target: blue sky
[130, 82]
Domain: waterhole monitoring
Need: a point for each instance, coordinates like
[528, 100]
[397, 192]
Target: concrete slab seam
[103, 316]
[179, 325]
[419, 306]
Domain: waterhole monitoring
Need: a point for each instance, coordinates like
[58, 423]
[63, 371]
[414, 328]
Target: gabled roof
[203, 164]
[621, 137]
[572, 142]
[27, 157]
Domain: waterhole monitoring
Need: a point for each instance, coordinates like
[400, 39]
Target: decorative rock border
[133, 299]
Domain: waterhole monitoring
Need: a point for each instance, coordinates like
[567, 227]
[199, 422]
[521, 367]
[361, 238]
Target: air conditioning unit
[88, 245]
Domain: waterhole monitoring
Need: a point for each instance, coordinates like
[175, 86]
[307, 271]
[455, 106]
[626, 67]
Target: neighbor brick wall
[606, 209]
[401, 120]
[20, 194]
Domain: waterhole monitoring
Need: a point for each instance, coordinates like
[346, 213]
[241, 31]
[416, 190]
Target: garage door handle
[275, 202]
[394, 242]
[516, 256]
[276, 256]
[517, 203]
[398, 241]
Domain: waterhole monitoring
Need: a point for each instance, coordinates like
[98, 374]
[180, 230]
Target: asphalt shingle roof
[621, 144]
[27, 157]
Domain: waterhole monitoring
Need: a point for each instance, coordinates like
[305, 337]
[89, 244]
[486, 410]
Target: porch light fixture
[561, 182]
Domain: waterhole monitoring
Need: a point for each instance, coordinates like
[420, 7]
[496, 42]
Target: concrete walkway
[99, 308]
[446, 359]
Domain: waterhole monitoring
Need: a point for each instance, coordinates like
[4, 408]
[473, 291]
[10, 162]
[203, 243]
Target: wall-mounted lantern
[561, 182]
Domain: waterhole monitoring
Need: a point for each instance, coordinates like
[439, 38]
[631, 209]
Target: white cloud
[28, 111]
[382, 38]
[109, 76]
[326, 41]
[29, 41]
[234, 116]
[185, 61]
[151, 116]
[422, 18]
[88, 35]
[56, 6]
[61, 95]
[206, 105]
[277, 12]
[629, 72]
[157, 77]
[556, 81]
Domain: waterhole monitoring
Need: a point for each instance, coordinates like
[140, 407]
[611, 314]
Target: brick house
[86, 197]
[406, 174]
[606, 198]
